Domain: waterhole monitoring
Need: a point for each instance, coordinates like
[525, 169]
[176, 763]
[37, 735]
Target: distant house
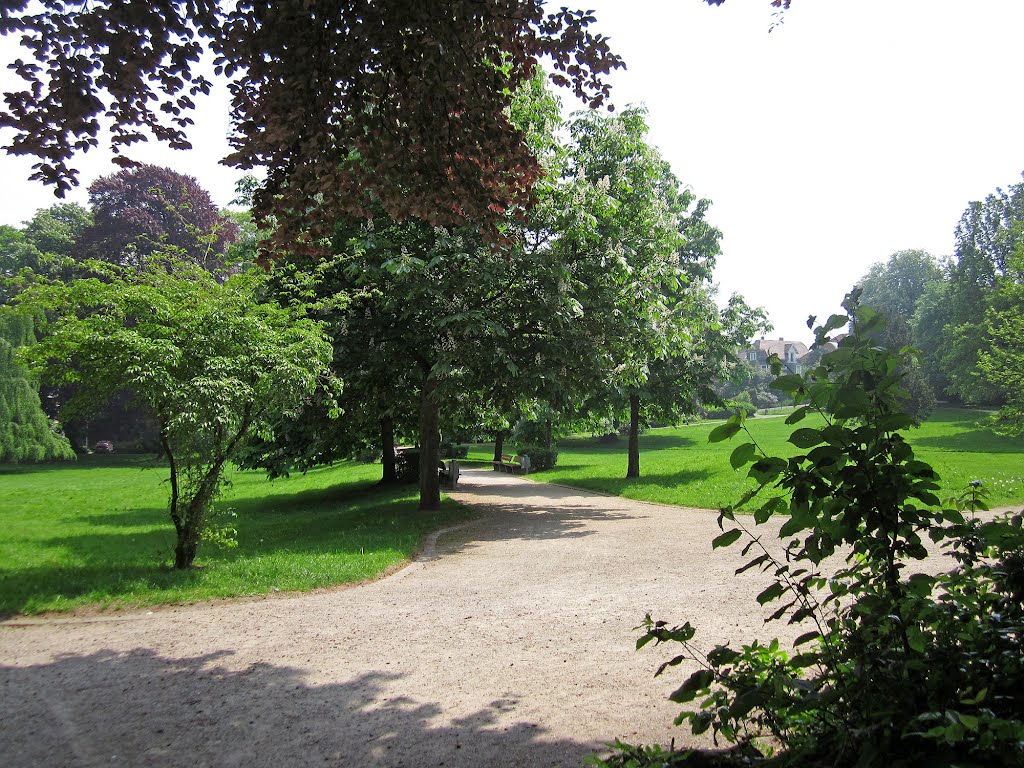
[795, 355]
[791, 353]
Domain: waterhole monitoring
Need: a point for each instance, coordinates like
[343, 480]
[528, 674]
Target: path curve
[508, 642]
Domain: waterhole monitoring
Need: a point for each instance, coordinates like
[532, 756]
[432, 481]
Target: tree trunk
[430, 440]
[387, 441]
[499, 444]
[185, 549]
[633, 468]
[191, 528]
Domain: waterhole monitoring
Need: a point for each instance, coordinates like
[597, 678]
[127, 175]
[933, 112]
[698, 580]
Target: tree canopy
[396, 103]
[148, 208]
[209, 359]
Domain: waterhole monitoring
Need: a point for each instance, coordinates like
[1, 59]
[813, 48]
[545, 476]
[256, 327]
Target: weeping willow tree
[26, 435]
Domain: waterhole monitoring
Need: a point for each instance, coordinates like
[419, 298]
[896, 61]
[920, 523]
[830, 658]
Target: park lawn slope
[679, 466]
[97, 533]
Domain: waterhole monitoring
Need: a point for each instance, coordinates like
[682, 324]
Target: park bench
[448, 474]
[514, 464]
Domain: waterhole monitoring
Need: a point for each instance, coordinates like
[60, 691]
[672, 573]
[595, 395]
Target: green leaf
[694, 684]
[806, 637]
[726, 538]
[773, 592]
[970, 722]
[743, 454]
[789, 383]
[724, 431]
[976, 699]
[767, 469]
[798, 415]
[835, 322]
[806, 438]
[916, 639]
[721, 655]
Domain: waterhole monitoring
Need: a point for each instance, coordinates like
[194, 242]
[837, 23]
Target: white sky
[853, 130]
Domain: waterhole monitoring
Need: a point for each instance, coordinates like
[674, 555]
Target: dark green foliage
[452, 451]
[26, 434]
[407, 465]
[541, 458]
[896, 667]
[749, 383]
[741, 402]
[894, 289]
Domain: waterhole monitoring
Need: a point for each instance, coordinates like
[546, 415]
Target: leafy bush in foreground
[896, 668]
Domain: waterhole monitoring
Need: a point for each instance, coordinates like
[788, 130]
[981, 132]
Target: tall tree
[148, 208]
[894, 288]
[989, 232]
[640, 247]
[1001, 358]
[209, 359]
[430, 317]
[56, 230]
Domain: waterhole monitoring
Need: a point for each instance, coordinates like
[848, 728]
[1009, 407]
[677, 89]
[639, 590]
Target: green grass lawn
[679, 466]
[97, 533]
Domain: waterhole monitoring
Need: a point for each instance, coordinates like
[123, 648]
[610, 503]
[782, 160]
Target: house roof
[780, 347]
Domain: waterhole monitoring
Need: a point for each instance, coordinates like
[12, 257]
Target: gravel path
[508, 642]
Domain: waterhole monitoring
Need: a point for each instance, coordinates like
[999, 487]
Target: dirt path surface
[509, 642]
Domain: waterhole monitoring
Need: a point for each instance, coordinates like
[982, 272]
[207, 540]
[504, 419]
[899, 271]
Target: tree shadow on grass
[116, 461]
[616, 485]
[648, 442]
[141, 708]
[26, 590]
[346, 519]
[972, 441]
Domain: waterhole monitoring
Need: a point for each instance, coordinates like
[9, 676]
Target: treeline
[964, 313]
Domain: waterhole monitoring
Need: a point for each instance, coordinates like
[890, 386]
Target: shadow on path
[147, 709]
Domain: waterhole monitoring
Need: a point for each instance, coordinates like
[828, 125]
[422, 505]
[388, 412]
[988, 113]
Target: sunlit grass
[97, 533]
[679, 466]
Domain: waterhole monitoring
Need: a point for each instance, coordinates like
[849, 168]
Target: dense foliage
[896, 667]
[26, 433]
[148, 208]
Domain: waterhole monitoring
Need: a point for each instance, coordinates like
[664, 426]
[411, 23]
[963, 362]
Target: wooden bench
[448, 474]
[514, 464]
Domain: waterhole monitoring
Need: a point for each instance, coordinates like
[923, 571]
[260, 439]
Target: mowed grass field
[679, 466]
[97, 532]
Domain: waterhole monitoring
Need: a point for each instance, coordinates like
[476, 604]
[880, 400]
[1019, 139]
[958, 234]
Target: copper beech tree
[351, 106]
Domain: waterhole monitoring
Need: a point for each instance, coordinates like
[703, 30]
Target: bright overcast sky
[853, 130]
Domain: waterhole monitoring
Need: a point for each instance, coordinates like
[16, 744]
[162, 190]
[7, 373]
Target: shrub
[894, 670]
[452, 451]
[407, 465]
[541, 458]
[367, 454]
[741, 404]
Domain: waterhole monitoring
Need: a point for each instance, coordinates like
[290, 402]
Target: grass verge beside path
[97, 533]
[679, 466]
